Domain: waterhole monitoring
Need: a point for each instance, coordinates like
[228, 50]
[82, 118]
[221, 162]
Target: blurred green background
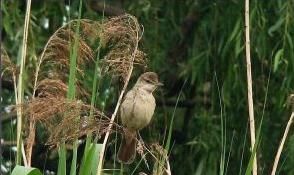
[197, 48]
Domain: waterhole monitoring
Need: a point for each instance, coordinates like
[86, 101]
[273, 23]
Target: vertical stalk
[62, 159]
[94, 87]
[93, 97]
[249, 86]
[20, 88]
[72, 83]
[88, 145]
[277, 158]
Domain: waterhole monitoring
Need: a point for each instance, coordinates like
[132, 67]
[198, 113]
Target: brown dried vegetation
[68, 120]
[53, 68]
[119, 34]
[8, 67]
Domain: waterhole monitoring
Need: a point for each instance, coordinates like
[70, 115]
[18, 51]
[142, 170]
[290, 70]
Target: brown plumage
[136, 112]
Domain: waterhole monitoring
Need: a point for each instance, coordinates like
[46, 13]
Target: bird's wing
[126, 109]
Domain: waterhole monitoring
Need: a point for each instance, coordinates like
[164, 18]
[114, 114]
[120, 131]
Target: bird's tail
[127, 150]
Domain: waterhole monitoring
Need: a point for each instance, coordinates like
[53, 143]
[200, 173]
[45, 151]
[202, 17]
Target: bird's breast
[137, 110]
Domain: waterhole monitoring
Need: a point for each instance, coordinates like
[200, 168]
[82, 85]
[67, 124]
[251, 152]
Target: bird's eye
[148, 81]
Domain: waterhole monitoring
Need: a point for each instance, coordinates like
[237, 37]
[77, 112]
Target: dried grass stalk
[283, 140]
[249, 88]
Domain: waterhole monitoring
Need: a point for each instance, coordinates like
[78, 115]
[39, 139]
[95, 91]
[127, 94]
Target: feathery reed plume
[52, 73]
[67, 120]
[123, 65]
[8, 67]
[119, 35]
[63, 119]
[54, 60]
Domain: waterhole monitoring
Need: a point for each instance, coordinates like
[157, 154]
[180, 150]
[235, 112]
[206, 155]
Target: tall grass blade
[62, 160]
[89, 165]
[94, 92]
[160, 164]
[223, 130]
[243, 149]
[72, 84]
[168, 141]
[73, 167]
[20, 86]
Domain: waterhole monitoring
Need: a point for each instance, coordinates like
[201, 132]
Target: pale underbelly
[140, 115]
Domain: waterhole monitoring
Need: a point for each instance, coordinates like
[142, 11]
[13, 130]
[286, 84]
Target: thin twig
[101, 155]
[277, 158]
[249, 85]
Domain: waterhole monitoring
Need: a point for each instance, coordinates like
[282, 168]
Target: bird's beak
[159, 84]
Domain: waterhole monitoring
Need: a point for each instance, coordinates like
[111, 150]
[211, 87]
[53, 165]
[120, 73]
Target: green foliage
[90, 161]
[61, 160]
[72, 85]
[20, 170]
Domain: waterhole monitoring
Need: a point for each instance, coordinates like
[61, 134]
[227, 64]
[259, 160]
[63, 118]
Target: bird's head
[148, 82]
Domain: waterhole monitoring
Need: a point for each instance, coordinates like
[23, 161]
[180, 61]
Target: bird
[136, 112]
